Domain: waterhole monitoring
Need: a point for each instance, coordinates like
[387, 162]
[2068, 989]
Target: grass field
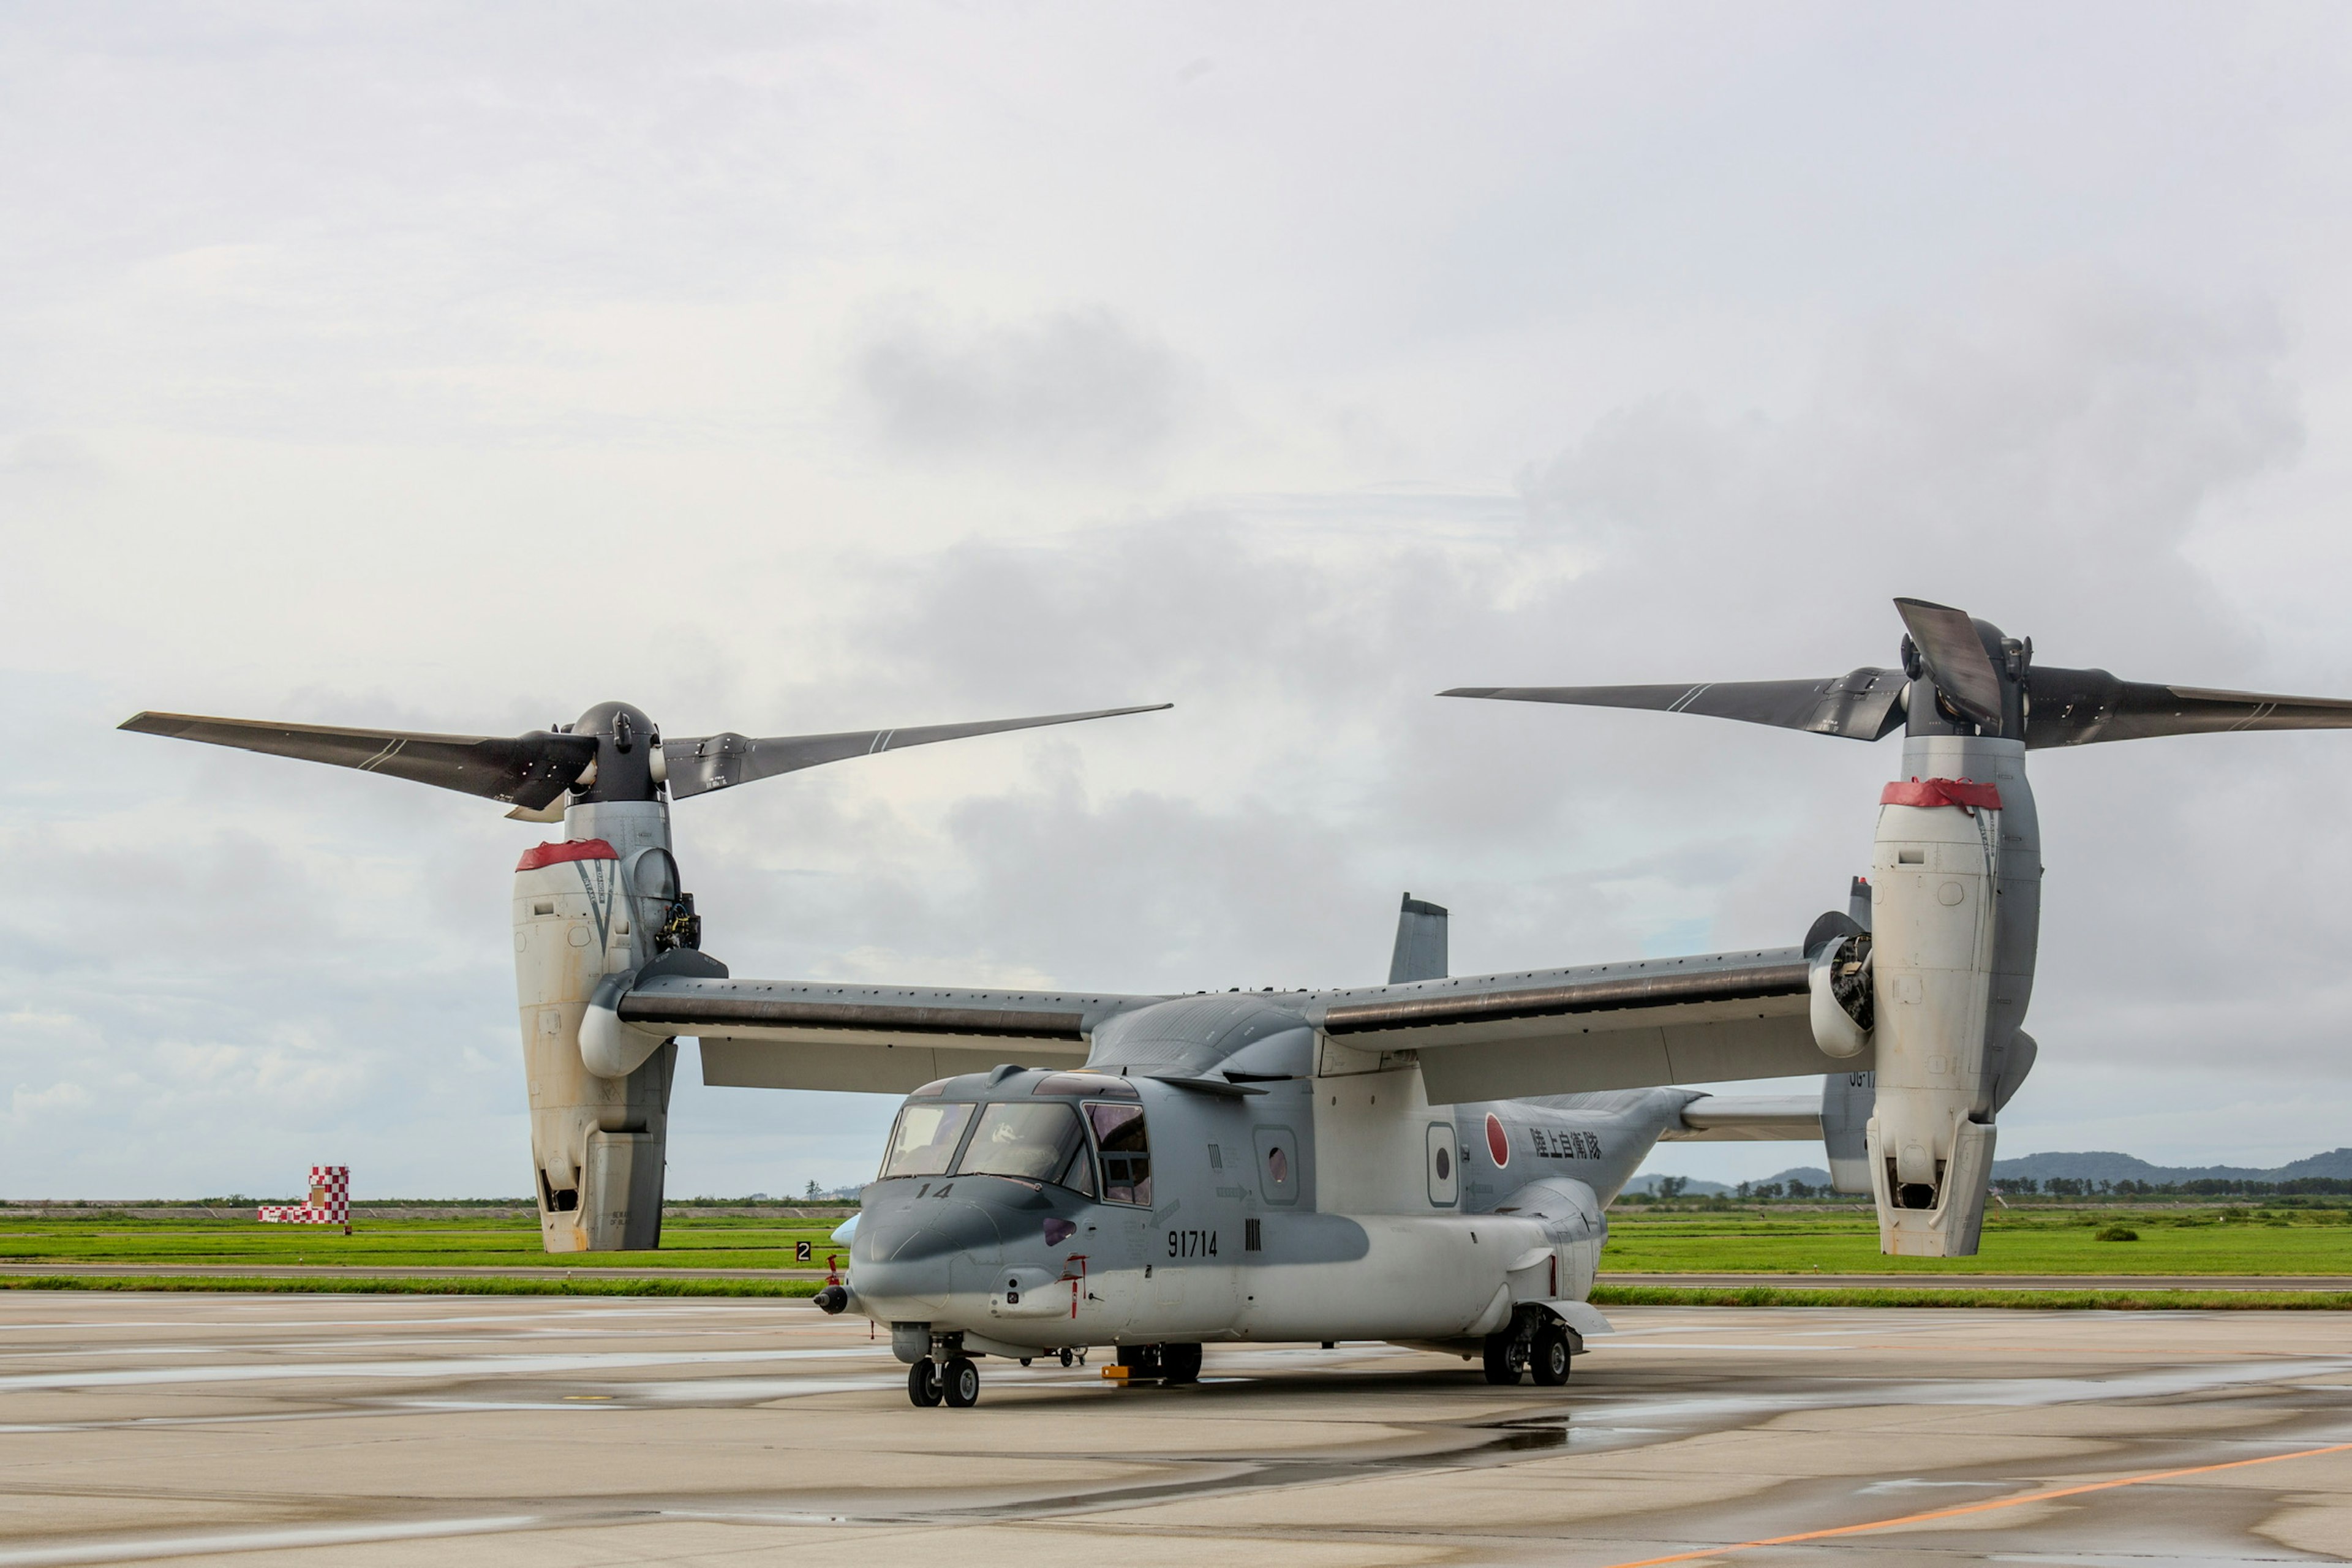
[698, 1242]
[2235, 1240]
[2214, 1241]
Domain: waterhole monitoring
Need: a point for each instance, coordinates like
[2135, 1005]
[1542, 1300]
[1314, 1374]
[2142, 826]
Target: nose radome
[933, 1229]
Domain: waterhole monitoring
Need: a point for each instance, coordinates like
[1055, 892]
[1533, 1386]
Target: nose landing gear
[963, 1382]
[946, 1376]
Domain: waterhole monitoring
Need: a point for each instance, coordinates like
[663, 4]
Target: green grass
[359, 1285]
[2040, 1240]
[2182, 1241]
[702, 1242]
[2117, 1299]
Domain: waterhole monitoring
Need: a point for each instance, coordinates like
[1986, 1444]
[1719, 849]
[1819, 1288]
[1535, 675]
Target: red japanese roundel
[1497, 1145]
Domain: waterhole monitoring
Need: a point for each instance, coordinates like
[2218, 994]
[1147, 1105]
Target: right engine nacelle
[1955, 884]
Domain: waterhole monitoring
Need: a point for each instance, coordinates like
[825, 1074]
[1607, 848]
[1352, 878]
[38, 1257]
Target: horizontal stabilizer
[1749, 1119]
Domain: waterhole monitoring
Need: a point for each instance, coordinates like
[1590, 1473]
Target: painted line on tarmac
[463, 1367]
[1965, 1510]
[261, 1541]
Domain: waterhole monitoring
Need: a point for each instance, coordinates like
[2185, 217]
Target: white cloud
[797, 369]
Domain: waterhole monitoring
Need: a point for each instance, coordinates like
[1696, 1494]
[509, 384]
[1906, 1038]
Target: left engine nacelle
[583, 910]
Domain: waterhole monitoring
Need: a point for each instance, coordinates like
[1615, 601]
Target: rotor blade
[1954, 656]
[2077, 707]
[529, 770]
[705, 762]
[1860, 705]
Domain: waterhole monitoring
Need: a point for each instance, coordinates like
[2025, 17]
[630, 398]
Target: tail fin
[1420, 943]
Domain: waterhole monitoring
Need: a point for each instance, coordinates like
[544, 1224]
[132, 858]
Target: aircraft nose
[972, 1222]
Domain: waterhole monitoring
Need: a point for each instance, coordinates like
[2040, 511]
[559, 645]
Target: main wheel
[1179, 1363]
[1067, 1357]
[1500, 1368]
[1551, 1361]
[962, 1383]
[923, 1382]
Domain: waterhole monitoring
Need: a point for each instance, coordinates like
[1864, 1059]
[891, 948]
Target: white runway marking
[260, 1541]
[402, 1371]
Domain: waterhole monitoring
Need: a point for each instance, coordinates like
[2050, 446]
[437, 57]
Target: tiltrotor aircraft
[1427, 1161]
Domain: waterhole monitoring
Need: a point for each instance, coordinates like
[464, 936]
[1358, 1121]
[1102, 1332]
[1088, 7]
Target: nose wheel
[957, 1384]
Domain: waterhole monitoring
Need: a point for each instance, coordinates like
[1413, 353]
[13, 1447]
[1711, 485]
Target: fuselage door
[1277, 1164]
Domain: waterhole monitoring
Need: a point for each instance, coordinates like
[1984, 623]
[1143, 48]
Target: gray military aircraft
[1428, 1161]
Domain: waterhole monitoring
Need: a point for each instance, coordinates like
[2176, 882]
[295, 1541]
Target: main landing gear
[957, 1384]
[1539, 1343]
[1170, 1365]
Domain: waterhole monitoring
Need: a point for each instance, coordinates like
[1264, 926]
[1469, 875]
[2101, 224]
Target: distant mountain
[2105, 1166]
[2093, 1167]
[1691, 1187]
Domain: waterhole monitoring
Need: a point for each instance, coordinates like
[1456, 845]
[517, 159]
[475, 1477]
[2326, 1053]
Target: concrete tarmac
[528, 1431]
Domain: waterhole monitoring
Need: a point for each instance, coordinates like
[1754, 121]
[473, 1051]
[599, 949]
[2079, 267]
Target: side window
[1078, 1175]
[1277, 1164]
[1126, 1149]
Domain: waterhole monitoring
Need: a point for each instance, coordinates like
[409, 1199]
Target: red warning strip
[570, 849]
[1967, 1509]
[1941, 791]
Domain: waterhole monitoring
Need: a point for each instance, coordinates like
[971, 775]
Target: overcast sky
[787, 369]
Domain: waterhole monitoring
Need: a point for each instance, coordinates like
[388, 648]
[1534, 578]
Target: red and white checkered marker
[329, 1202]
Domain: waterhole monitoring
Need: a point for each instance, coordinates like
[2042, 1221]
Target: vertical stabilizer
[1847, 1101]
[1420, 943]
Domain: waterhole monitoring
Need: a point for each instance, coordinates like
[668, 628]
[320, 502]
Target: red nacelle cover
[570, 849]
[1941, 791]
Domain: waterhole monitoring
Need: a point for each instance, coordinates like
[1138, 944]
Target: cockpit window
[924, 1142]
[1024, 1139]
[1126, 1153]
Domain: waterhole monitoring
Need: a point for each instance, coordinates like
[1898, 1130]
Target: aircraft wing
[1612, 1026]
[883, 1039]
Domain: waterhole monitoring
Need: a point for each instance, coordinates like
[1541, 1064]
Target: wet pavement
[364, 1430]
[1954, 1280]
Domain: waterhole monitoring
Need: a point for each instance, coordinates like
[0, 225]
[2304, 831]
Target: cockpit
[1081, 1131]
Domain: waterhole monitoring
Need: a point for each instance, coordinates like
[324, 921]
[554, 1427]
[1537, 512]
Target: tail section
[1420, 953]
